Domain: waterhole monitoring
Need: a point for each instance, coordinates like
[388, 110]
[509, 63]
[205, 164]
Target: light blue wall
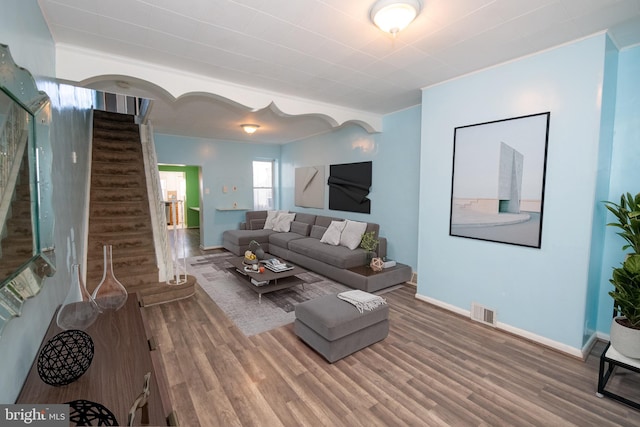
[625, 173]
[23, 29]
[394, 190]
[541, 291]
[223, 164]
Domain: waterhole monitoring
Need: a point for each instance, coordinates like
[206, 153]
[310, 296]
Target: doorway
[174, 189]
[182, 183]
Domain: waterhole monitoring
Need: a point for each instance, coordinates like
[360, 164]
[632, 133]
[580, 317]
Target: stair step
[128, 279]
[116, 195]
[19, 227]
[119, 226]
[120, 253]
[119, 219]
[22, 193]
[100, 209]
[122, 168]
[119, 181]
[18, 246]
[101, 115]
[158, 293]
[143, 262]
[120, 241]
[115, 131]
[129, 145]
[116, 156]
[20, 210]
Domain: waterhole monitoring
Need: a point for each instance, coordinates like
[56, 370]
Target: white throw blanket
[362, 300]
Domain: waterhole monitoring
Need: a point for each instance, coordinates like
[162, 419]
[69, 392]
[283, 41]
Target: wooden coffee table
[275, 281]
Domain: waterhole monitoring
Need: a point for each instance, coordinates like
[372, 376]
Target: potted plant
[369, 243]
[625, 329]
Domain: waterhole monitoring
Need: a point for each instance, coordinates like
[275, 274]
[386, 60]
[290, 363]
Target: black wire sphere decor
[88, 413]
[65, 357]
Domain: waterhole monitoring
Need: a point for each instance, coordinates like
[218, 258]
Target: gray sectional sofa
[302, 246]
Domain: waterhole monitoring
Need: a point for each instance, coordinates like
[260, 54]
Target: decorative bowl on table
[250, 258]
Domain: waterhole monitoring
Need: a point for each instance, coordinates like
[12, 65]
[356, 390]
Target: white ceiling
[323, 50]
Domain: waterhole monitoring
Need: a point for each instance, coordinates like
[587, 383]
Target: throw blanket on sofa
[362, 300]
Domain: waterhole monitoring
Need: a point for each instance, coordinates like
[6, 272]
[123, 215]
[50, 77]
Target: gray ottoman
[335, 328]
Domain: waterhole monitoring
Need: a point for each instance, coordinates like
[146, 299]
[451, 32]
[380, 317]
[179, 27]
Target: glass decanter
[110, 294]
[79, 310]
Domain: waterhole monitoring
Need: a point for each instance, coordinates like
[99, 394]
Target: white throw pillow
[271, 219]
[283, 222]
[332, 235]
[352, 234]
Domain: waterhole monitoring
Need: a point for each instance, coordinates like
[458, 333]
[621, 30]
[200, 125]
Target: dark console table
[124, 353]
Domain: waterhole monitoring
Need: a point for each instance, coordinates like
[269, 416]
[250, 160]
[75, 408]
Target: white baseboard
[208, 248]
[564, 348]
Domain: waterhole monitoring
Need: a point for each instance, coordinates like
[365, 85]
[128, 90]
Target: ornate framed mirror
[26, 220]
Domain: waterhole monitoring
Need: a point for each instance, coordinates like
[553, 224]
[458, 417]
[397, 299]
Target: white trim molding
[82, 65]
[564, 348]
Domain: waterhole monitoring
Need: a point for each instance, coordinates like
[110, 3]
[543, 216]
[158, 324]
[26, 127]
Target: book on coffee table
[276, 265]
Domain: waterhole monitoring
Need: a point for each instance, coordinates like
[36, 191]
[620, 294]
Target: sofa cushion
[283, 222]
[244, 237]
[306, 218]
[282, 239]
[324, 221]
[256, 224]
[337, 256]
[317, 231]
[352, 234]
[300, 228]
[333, 233]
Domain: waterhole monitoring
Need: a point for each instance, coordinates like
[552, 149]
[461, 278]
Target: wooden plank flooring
[434, 369]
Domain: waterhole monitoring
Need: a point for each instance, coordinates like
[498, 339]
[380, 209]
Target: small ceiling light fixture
[249, 128]
[393, 16]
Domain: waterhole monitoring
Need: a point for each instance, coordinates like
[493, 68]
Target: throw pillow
[332, 235]
[352, 234]
[317, 231]
[271, 219]
[283, 222]
[300, 228]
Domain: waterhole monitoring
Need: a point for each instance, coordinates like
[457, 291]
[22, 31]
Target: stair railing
[13, 142]
[156, 205]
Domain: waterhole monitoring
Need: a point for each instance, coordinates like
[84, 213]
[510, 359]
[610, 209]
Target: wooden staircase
[119, 212]
[16, 245]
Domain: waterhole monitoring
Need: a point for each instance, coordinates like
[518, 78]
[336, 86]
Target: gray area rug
[240, 303]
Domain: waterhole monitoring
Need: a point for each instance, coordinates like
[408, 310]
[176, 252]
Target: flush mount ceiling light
[249, 128]
[393, 16]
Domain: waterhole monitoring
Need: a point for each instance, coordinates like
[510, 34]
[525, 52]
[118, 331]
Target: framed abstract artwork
[498, 180]
[309, 190]
[349, 186]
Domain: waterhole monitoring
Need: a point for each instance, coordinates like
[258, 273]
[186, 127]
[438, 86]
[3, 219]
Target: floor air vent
[483, 314]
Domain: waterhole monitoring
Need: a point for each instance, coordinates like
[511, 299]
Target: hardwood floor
[188, 243]
[435, 368]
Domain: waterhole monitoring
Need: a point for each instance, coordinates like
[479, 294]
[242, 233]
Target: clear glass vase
[110, 294]
[79, 310]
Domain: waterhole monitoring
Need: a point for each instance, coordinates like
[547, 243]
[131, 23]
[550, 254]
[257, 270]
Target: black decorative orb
[65, 357]
[87, 413]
